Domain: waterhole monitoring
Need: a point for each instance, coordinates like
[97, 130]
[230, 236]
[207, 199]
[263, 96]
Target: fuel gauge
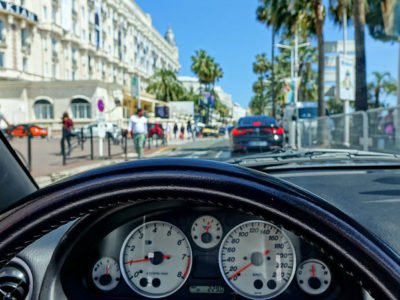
[313, 276]
[106, 274]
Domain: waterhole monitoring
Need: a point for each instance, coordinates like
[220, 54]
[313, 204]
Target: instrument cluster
[206, 252]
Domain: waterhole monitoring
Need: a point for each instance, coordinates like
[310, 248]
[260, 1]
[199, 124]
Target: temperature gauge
[106, 274]
[314, 276]
[206, 232]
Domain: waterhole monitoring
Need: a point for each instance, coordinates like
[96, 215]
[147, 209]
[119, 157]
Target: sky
[228, 31]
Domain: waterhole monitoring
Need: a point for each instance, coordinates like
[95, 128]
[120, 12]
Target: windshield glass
[89, 83]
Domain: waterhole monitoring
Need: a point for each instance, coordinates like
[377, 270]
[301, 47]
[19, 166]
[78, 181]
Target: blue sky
[228, 31]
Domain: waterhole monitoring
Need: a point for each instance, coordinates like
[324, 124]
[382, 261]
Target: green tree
[299, 16]
[165, 85]
[382, 84]
[206, 69]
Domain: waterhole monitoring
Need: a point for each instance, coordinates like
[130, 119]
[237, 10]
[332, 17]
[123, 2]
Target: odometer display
[257, 260]
[156, 259]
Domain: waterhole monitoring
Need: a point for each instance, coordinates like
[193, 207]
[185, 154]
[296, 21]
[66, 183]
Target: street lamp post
[294, 66]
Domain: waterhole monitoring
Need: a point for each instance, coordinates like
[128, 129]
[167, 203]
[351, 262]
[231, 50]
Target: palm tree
[165, 85]
[206, 69]
[262, 66]
[273, 13]
[305, 16]
[383, 83]
[361, 102]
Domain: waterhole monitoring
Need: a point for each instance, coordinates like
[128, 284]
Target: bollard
[109, 145]
[91, 143]
[126, 147]
[63, 154]
[82, 141]
[29, 150]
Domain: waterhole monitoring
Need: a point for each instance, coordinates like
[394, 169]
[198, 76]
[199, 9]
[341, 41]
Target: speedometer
[156, 259]
[257, 260]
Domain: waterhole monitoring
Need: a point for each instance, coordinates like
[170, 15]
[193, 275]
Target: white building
[193, 83]
[332, 50]
[238, 112]
[65, 55]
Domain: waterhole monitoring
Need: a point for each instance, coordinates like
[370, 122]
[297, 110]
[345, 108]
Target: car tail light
[257, 123]
[239, 131]
[278, 131]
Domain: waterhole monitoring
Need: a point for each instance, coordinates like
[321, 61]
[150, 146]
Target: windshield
[89, 83]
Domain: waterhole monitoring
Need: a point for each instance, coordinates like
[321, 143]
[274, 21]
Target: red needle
[312, 271]
[134, 261]
[245, 267]
[107, 269]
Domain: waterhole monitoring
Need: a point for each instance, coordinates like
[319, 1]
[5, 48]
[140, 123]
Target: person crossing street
[138, 131]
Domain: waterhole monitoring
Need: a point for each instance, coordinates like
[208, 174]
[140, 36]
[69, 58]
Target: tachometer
[156, 259]
[257, 260]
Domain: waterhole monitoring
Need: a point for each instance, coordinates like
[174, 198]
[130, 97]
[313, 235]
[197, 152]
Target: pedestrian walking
[138, 131]
[189, 129]
[66, 134]
[182, 134]
[175, 131]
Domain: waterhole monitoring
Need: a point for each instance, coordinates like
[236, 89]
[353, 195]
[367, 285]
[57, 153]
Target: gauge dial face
[156, 259]
[106, 274]
[257, 260]
[206, 232]
[313, 276]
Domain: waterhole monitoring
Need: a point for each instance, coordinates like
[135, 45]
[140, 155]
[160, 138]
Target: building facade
[192, 83]
[65, 55]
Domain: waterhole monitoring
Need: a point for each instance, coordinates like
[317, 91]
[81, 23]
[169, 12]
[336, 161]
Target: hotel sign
[18, 10]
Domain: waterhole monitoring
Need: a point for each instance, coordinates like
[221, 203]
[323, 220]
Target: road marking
[218, 155]
[197, 154]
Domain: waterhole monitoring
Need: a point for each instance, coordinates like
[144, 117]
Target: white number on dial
[257, 260]
[156, 259]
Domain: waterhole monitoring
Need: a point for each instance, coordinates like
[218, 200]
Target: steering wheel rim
[370, 261]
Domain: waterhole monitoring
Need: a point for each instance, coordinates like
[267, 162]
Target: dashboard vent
[14, 281]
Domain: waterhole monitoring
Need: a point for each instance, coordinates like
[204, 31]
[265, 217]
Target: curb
[43, 181]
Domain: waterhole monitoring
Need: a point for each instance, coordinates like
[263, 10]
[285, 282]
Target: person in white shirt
[138, 131]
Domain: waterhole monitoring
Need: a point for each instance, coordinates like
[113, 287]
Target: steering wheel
[372, 264]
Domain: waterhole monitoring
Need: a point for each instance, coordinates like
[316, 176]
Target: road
[208, 148]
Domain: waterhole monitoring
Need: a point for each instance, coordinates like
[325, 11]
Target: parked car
[209, 130]
[21, 130]
[155, 131]
[256, 133]
[222, 131]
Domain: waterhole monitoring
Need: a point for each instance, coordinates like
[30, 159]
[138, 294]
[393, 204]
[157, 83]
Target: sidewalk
[47, 164]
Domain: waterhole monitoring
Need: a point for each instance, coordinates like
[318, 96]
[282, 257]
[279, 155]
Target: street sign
[100, 105]
[346, 78]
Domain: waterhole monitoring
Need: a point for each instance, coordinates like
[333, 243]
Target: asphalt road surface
[207, 148]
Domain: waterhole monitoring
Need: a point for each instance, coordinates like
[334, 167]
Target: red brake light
[257, 123]
[278, 131]
[238, 131]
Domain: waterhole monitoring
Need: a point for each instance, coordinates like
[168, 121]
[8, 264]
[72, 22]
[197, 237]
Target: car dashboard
[181, 253]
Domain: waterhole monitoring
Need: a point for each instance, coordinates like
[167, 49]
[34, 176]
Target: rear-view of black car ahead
[259, 133]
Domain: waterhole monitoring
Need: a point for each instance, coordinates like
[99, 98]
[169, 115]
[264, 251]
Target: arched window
[43, 110]
[81, 109]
